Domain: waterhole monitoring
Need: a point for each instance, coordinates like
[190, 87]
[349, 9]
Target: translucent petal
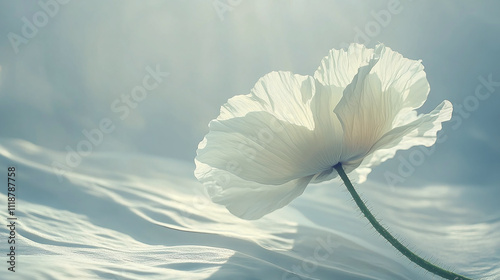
[420, 131]
[263, 149]
[281, 143]
[339, 67]
[270, 144]
[246, 199]
[328, 131]
[382, 94]
[282, 94]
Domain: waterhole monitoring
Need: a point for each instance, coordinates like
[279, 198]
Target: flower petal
[328, 132]
[421, 131]
[382, 92]
[336, 72]
[269, 146]
[282, 94]
[263, 149]
[246, 199]
[281, 143]
[339, 67]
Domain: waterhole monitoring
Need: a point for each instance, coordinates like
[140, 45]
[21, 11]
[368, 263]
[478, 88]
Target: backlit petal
[269, 151]
[421, 131]
[339, 67]
[264, 146]
[283, 94]
[246, 199]
[383, 92]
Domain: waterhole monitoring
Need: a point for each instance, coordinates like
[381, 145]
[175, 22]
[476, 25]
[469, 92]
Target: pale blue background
[65, 78]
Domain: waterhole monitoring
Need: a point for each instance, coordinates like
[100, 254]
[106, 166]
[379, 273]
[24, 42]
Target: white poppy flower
[358, 110]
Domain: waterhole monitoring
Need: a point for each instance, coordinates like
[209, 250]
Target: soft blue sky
[65, 78]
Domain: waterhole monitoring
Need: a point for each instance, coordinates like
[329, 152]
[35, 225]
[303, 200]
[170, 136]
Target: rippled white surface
[140, 217]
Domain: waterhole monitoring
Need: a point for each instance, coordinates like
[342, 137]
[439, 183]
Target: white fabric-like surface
[139, 217]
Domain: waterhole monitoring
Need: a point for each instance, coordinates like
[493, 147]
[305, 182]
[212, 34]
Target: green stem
[394, 242]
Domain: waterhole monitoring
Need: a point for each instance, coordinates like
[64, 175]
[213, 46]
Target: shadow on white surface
[118, 216]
